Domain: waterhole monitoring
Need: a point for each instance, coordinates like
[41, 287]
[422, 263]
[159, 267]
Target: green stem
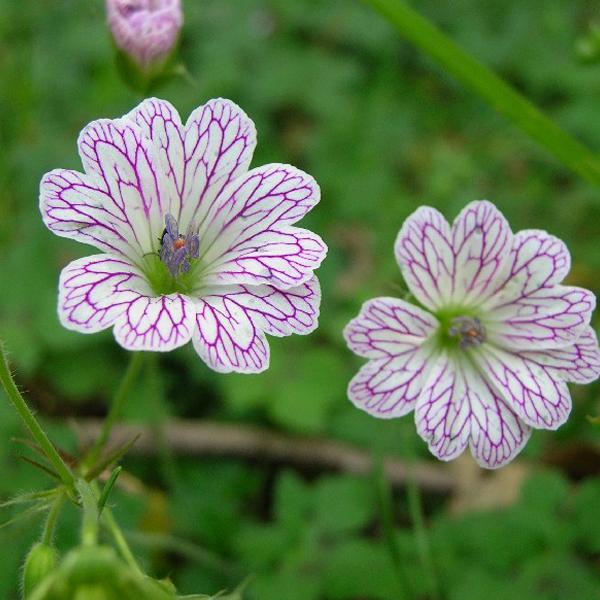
[133, 369]
[494, 90]
[52, 518]
[384, 492]
[90, 494]
[120, 540]
[89, 526]
[415, 508]
[31, 422]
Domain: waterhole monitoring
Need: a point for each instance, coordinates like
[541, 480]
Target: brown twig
[255, 443]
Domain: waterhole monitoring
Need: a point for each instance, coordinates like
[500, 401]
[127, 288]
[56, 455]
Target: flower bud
[97, 573]
[145, 30]
[40, 562]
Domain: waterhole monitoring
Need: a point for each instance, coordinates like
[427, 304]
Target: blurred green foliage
[333, 90]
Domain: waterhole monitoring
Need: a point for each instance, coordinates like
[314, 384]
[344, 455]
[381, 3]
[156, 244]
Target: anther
[469, 330]
[177, 250]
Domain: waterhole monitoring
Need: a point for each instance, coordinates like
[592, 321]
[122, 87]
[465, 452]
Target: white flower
[488, 357]
[194, 245]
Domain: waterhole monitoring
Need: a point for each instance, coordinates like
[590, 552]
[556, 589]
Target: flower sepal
[145, 79]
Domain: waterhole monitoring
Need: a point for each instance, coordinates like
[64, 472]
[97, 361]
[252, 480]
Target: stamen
[177, 250]
[470, 330]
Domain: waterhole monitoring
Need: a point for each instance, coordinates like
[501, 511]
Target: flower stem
[384, 493]
[495, 91]
[133, 369]
[89, 526]
[31, 422]
[118, 536]
[415, 508]
[52, 518]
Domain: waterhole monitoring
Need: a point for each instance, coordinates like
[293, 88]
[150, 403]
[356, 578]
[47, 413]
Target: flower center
[168, 270]
[176, 249]
[469, 330]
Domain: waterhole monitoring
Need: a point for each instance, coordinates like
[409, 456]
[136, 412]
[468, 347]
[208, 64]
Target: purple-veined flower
[146, 30]
[488, 356]
[194, 245]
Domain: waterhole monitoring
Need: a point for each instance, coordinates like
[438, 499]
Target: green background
[333, 90]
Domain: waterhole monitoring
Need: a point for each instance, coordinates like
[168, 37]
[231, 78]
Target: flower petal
[99, 291]
[249, 238]
[457, 407]
[201, 158]
[95, 291]
[536, 394]
[160, 122]
[497, 433]
[219, 142]
[159, 324]
[548, 318]
[121, 163]
[442, 412]
[424, 252]
[389, 387]
[387, 327]
[76, 207]
[537, 261]
[579, 363]
[481, 240]
[232, 322]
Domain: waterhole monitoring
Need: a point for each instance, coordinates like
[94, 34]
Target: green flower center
[460, 329]
[164, 283]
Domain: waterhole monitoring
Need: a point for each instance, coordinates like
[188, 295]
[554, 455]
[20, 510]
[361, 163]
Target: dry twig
[205, 438]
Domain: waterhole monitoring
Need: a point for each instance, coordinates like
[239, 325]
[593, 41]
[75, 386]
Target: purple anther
[178, 250]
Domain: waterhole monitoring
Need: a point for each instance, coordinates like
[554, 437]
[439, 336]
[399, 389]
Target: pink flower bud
[146, 30]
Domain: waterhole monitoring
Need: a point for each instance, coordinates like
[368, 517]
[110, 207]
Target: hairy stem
[89, 525]
[495, 91]
[61, 468]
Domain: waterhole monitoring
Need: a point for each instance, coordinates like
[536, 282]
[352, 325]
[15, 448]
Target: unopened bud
[39, 564]
[97, 573]
[145, 30]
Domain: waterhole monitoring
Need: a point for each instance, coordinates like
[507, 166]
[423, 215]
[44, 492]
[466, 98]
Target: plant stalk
[384, 493]
[133, 369]
[478, 78]
[15, 397]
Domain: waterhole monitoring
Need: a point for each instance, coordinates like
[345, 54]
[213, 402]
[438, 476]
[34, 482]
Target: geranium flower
[194, 245]
[488, 356]
[146, 30]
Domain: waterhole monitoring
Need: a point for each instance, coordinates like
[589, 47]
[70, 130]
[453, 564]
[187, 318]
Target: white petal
[94, 291]
[458, 407]
[159, 324]
[547, 318]
[442, 413]
[389, 387]
[579, 362]
[536, 393]
[424, 252]
[248, 238]
[537, 261]
[232, 322]
[219, 142]
[481, 240]
[387, 327]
